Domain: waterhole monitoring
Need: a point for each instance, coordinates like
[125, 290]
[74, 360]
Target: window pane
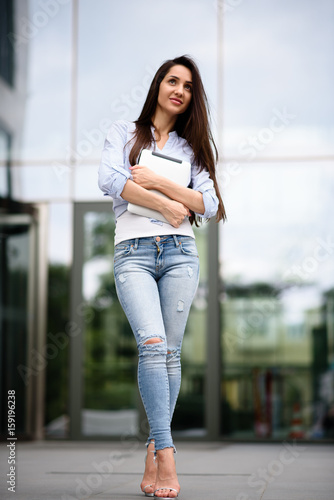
[278, 78]
[57, 370]
[118, 74]
[110, 359]
[16, 294]
[40, 183]
[85, 182]
[277, 307]
[111, 397]
[6, 48]
[4, 165]
[45, 32]
[188, 419]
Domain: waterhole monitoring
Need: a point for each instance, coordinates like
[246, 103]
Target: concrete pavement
[66, 470]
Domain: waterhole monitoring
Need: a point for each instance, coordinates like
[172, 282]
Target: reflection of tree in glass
[58, 317]
[110, 349]
[99, 237]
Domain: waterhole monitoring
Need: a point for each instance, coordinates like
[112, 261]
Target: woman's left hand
[144, 177]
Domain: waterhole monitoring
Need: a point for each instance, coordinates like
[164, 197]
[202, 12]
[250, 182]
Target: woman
[156, 264]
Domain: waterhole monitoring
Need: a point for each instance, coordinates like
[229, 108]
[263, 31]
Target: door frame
[33, 371]
[77, 324]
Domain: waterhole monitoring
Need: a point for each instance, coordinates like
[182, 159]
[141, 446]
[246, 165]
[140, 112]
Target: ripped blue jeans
[156, 280]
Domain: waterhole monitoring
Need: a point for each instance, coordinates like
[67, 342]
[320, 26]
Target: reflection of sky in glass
[39, 183]
[46, 130]
[60, 233]
[297, 300]
[131, 40]
[278, 215]
[3, 146]
[275, 57]
[3, 182]
[4, 158]
[86, 188]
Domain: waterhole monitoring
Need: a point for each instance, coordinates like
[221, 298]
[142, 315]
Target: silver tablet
[178, 171]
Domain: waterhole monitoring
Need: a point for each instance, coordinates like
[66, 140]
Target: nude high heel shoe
[167, 488]
[148, 485]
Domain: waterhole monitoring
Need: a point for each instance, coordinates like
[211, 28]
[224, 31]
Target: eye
[188, 87]
[172, 81]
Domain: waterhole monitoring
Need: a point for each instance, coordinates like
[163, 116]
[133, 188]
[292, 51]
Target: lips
[175, 100]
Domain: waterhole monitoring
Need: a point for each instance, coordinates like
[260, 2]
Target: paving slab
[72, 470]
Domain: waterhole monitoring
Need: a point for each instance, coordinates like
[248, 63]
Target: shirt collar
[171, 134]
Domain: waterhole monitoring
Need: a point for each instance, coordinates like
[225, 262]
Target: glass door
[16, 280]
[104, 398]
[109, 359]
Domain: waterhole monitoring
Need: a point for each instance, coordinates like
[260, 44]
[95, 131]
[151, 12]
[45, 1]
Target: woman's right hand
[174, 212]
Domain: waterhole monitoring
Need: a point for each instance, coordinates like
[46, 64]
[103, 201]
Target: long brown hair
[193, 125]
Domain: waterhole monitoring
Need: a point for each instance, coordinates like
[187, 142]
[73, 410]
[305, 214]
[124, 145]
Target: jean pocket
[122, 250]
[188, 247]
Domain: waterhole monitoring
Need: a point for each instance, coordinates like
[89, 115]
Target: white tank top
[130, 226]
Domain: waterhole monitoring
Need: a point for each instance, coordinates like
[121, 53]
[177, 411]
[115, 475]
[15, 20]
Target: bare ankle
[165, 454]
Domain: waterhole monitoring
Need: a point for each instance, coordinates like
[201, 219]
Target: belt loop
[176, 241]
[136, 243]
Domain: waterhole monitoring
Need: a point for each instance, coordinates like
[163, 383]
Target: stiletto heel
[148, 485]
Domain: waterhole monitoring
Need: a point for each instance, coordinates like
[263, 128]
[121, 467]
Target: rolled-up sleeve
[201, 181]
[113, 173]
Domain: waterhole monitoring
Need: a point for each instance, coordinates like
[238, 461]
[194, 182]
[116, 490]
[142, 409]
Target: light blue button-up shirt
[114, 169]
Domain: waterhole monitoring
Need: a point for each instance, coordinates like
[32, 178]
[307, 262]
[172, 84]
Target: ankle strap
[148, 442]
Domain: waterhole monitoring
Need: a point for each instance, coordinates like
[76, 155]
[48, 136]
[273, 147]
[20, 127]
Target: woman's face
[175, 90]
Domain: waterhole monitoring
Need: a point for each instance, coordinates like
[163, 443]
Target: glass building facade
[258, 352]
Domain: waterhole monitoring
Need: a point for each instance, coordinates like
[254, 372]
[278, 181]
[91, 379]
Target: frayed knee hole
[153, 341]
